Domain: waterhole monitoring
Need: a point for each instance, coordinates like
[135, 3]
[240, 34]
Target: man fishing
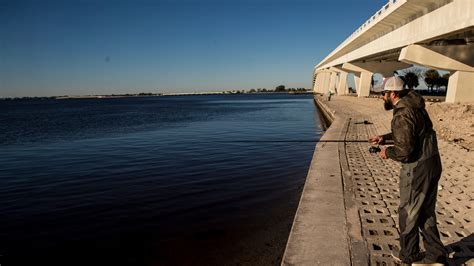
[415, 147]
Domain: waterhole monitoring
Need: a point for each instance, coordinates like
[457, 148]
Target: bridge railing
[371, 21]
[374, 17]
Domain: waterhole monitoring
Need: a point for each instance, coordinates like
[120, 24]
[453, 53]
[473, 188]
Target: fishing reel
[374, 149]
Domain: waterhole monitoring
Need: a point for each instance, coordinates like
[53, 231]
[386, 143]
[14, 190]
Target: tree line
[279, 88]
[431, 77]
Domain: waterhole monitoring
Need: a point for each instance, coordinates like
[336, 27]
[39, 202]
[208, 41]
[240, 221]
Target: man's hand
[376, 140]
[383, 153]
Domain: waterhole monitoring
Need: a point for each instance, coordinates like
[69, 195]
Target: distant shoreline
[113, 96]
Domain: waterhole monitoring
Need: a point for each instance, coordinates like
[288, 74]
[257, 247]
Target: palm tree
[431, 78]
[444, 81]
[411, 80]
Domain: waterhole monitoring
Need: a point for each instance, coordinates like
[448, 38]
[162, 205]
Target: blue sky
[78, 47]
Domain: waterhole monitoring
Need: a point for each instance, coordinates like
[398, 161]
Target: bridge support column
[356, 81]
[362, 77]
[342, 88]
[316, 78]
[317, 83]
[314, 81]
[332, 82]
[460, 87]
[326, 81]
[453, 58]
[363, 90]
[341, 84]
[322, 82]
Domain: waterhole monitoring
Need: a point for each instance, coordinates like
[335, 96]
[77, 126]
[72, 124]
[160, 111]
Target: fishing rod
[372, 149]
[296, 141]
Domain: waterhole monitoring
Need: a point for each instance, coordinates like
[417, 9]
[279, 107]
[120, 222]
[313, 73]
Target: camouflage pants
[418, 189]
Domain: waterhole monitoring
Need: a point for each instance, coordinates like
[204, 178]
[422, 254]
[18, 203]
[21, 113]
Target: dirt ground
[453, 122]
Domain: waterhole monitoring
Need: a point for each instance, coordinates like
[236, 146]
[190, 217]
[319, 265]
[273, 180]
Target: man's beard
[387, 105]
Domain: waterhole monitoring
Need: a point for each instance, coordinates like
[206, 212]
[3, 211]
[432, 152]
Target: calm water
[196, 180]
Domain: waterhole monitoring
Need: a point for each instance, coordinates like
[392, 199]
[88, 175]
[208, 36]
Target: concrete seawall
[319, 232]
[347, 213]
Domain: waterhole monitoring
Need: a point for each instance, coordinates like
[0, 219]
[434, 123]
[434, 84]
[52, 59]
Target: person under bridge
[415, 146]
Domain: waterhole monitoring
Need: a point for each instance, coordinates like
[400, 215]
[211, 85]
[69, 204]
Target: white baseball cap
[393, 84]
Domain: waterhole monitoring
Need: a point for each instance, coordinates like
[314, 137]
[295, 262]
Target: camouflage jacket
[410, 124]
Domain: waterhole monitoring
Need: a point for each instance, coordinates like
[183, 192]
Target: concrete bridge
[437, 34]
